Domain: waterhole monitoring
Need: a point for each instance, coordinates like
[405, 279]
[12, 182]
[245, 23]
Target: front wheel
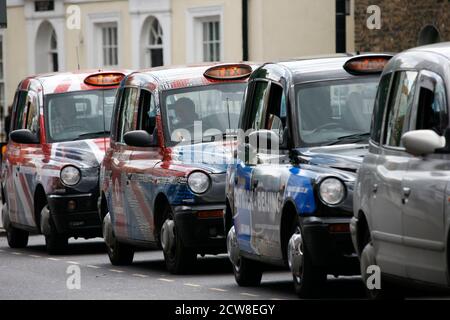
[55, 242]
[376, 289]
[179, 258]
[120, 254]
[308, 279]
[248, 273]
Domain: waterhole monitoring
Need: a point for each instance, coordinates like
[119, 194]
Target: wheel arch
[40, 200]
[362, 230]
[161, 201]
[289, 214]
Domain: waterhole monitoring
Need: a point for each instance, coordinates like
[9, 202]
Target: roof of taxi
[61, 82]
[442, 48]
[317, 68]
[171, 77]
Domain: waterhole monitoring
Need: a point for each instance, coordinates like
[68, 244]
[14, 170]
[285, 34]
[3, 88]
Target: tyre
[17, 238]
[308, 279]
[247, 273]
[385, 289]
[120, 254]
[55, 243]
[179, 258]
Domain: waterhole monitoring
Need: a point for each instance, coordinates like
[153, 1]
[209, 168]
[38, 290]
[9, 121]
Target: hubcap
[233, 249]
[295, 254]
[168, 236]
[108, 234]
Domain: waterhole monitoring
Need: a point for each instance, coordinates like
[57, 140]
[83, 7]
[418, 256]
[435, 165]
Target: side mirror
[138, 138]
[263, 139]
[422, 142]
[24, 136]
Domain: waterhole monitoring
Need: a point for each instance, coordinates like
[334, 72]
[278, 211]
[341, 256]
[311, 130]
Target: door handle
[375, 188]
[406, 192]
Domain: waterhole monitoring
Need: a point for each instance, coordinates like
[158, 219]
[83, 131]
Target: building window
[109, 45]
[46, 56]
[40, 6]
[211, 40]
[54, 52]
[205, 34]
[153, 40]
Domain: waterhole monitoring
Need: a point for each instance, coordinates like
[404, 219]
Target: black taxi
[303, 133]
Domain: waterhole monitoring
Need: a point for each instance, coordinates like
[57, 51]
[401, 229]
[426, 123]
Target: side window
[32, 115]
[275, 119]
[432, 104]
[255, 120]
[400, 105]
[379, 108]
[128, 110]
[20, 111]
[147, 112]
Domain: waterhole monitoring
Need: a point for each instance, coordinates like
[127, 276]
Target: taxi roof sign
[104, 79]
[233, 71]
[367, 64]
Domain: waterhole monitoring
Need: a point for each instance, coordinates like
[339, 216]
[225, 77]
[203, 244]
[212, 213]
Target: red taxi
[59, 133]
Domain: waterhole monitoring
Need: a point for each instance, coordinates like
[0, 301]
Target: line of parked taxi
[314, 164]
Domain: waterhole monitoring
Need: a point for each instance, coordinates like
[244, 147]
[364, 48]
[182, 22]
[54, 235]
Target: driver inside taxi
[64, 118]
[184, 119]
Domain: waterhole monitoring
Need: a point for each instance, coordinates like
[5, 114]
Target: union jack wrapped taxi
[59, 133]
[163, 179]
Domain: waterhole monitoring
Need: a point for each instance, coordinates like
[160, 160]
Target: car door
[25, 161]
[266, 215]
[142, 176]
[424, 188]
[120, 167]
[392, 164]
[13, 158]
[246, 163]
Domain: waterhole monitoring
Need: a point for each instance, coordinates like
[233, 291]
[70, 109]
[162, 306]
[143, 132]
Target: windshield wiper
[92, 135]
[351, 137]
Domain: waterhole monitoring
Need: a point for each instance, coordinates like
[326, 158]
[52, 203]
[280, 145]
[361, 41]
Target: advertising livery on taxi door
[49, 182]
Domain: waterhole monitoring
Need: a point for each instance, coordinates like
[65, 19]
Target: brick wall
[401, 23]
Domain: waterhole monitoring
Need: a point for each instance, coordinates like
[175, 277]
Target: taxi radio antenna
[78, 58]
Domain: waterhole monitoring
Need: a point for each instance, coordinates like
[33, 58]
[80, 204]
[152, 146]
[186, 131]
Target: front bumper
[75, 215]
[201, 227]
[330, 249]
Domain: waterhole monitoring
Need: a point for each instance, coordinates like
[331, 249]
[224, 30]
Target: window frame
[141, 111]
[383, 109]
[118, 129]
[383, 138]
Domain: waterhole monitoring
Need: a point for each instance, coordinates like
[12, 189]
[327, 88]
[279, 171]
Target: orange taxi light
[229, 72]
[104, 79]
[367, 64]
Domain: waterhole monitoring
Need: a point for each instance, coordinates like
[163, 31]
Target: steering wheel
[326, 126]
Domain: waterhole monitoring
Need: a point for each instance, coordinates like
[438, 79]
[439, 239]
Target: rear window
[79, 115]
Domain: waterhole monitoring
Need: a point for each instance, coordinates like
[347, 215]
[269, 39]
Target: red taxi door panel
[24, 161]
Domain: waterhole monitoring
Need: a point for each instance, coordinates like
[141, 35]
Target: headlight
[332, 191]
[70, 175]
[198, 182]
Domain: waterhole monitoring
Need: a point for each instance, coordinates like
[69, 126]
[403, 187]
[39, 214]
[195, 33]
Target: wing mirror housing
[24, 136]
[139, 138]
[423, 142]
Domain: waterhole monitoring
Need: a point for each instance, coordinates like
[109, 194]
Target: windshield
[79, 115]
[336, 111]
[200, 114]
